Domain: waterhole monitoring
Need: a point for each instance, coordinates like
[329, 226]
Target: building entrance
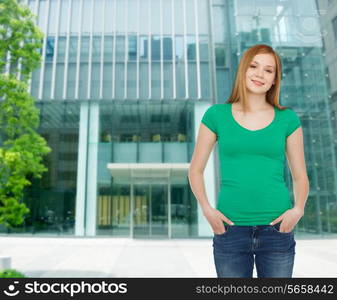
[150, 208]
[146, 200]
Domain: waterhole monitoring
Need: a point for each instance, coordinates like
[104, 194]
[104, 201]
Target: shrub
[11, 273]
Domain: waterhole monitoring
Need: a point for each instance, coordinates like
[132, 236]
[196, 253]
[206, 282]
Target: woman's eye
[269, 71]
[252, 66]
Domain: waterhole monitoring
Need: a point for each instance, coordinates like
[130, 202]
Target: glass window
[71, 80]
[83, 84]
[178, 17]
[144, 80]
[191, 49]
[119, 80]
[167, 16]
[132, 80]
[64, 17]
[133, 15]
[132, 45]
[51, 198]
[144, 24]
[155, 79]
[75, 18]
[203, 47]
[205, 80]
[243, 7]
[73, 43]
[32, 4]
[190, 16]
[47, 80]
[61, 48]
[155, 17]
[192, 80]
[167, 48]
[95, 80]
[180, 79]
[84, 48]
[108, 48]
[53, 14]
[98, 16]
[86, 17]
[59, 81]
[179, 48]
[120, 48]
[96, 48]
[50, 48]
[109, 16]
[143, 47]
[168, 80]
[203, 16]
[107, 80]
[334, 26]
[120, 16]
[155, 48]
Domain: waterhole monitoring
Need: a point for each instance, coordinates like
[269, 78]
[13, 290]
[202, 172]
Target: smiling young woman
[254, 214]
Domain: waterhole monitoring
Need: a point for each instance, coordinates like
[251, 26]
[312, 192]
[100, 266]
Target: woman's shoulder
[291, 119]
[219, 106]
[287, 112]
[216, 107]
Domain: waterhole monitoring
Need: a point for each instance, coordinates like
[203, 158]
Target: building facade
[121, 89]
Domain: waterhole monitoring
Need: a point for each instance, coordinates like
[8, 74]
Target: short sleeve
[209, 118]
[293, 122]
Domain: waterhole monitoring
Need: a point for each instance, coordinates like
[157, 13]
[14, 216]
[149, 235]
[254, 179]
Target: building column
[204, 228]
[81, 169]
[92, 188]
[86, 196]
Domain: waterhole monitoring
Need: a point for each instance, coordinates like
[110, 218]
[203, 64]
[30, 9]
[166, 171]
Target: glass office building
[121, 89]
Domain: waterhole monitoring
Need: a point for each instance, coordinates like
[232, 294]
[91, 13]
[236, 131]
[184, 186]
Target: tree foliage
[21, 147]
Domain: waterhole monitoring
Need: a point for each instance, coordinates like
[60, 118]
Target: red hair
[239, 89]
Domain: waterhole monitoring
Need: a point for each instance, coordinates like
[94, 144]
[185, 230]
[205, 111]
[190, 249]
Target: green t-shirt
[253, 189]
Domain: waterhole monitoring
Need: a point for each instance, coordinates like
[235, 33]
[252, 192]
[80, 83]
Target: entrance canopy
[122, 172]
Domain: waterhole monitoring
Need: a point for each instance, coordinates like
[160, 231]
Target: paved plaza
[125, 257]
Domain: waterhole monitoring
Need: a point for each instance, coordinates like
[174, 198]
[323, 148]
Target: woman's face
[260, 74]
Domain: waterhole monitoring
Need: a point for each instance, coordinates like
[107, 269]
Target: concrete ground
[125, 257]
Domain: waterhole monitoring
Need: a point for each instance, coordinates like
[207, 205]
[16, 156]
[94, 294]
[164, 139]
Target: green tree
[21, 147]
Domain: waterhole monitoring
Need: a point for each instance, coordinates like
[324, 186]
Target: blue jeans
[234, 251]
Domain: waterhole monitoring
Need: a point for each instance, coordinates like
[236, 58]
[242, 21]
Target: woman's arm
[296, 162]
[203, 147]
[297, 166]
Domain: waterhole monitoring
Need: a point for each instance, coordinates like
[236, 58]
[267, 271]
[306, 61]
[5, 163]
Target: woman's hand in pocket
[289, 219]
[215, 218]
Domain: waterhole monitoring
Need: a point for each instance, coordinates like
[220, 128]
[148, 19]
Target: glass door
[150, 209]
[141, 210]
[159, 209]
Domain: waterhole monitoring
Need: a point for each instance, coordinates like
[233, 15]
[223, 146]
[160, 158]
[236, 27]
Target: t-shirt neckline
[249, 130]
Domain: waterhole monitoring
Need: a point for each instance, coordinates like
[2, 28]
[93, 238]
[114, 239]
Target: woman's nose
[259, 72]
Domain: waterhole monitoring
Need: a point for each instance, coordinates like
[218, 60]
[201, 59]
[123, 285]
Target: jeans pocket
[276, 227]
[227, 227]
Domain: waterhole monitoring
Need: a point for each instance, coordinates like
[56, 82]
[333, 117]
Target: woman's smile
[257, 82]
